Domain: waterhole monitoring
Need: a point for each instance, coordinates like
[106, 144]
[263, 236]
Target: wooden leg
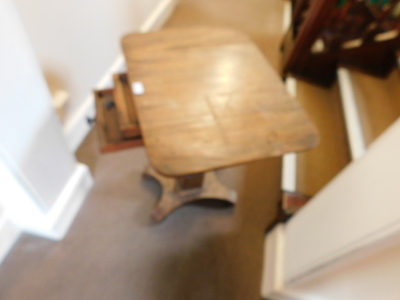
[174, 193]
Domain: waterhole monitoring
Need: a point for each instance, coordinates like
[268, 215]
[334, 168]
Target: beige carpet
[202, 251]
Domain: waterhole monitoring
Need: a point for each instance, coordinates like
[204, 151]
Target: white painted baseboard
[354, 129]
[272, 279]
[159, 16]
[55, 224]
[9, 234]
[289, 163]
[272, 283]
[77, 127]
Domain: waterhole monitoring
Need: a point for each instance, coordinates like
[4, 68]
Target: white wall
[76, 41]
[30, 134]
[42, 185]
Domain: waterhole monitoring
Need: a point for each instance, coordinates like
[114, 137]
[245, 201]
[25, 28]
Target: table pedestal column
[178, 191]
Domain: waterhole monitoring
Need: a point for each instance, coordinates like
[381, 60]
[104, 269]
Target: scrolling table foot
[174, 195]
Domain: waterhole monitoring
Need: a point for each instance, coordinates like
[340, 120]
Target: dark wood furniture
[327, 33]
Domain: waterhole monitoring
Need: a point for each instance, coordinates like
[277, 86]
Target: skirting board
[272, 277]
[9, 234]
[289, 163]
[55, 224]
[352, 116]
[78, 126]
[272, 283]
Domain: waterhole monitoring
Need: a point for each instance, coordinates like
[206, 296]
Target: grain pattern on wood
[124, 101]
[211, 101]
[110, 136]
[189, 182]
[293, 202]
[317, 167]
[171, 199]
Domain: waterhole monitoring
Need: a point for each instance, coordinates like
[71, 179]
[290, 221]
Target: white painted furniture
[345, 229]
[344, 244]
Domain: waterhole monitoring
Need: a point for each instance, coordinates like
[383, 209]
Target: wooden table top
[211, 101]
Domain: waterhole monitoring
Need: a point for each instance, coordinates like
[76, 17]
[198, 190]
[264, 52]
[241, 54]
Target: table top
[211, 100]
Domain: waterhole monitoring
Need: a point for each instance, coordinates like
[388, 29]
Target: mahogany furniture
[208, 99]
[359, 34]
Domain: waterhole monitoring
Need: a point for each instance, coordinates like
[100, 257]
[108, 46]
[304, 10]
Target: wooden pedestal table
[181, 190]
[206, 99]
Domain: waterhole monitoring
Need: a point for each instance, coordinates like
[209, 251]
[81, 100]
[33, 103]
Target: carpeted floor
[202, 251]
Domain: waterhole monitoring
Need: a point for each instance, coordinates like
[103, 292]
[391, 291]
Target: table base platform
[173, 197]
